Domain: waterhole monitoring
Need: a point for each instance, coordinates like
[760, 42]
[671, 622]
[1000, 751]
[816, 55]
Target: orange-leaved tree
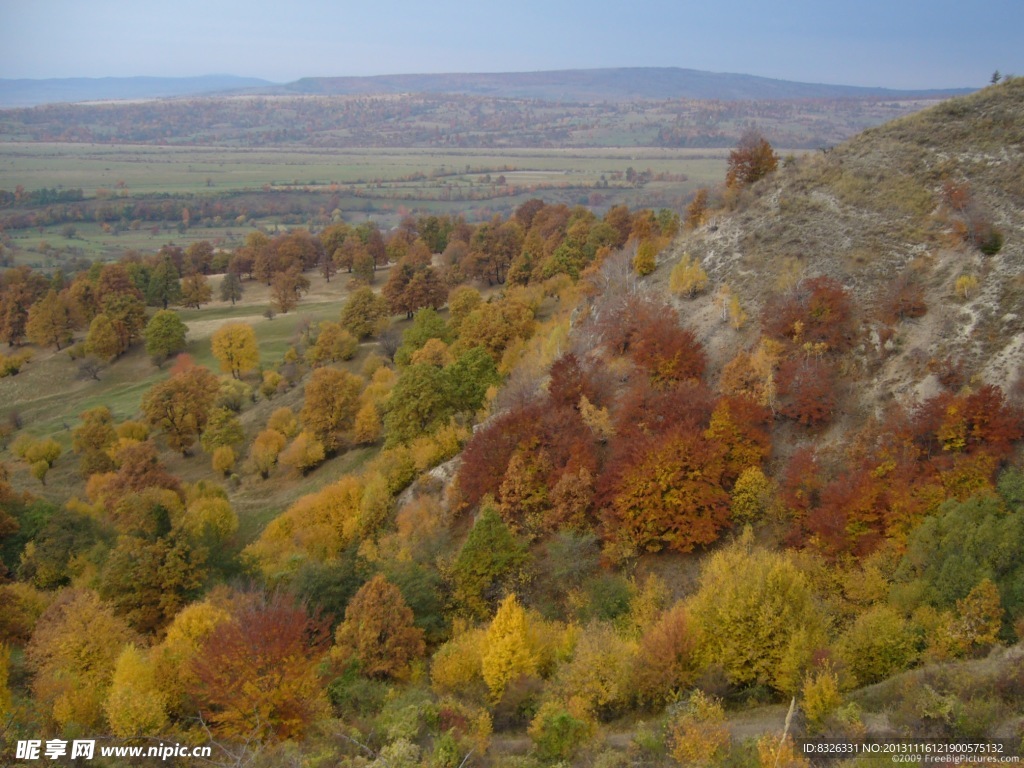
[257, 672]
[378, 631]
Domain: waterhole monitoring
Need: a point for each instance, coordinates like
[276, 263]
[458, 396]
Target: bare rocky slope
[875, 214]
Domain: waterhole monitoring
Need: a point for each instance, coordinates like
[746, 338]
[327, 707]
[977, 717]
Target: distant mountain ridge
[30, 93]
[618, 84]
[571, 85]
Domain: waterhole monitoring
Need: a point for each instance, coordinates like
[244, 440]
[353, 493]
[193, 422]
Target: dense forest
[543, 514]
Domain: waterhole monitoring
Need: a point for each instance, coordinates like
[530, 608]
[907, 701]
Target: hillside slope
[875, 214]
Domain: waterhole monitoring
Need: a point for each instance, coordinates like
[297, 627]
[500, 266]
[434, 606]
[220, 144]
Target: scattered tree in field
[645, 260]
[752, 160]
[378, 631]
[305, 453]
[333, 344]
[180, 406]
[165, 335]
[266, 447]
[231, 287]
[222, 429]
[364, 312]
[92, 438]
[286, 290]
[102, 340]
[235, 347]
[195, 290]
[330, 405]
[223, 459]
[51, 321]
[164, 286]
[966, 286]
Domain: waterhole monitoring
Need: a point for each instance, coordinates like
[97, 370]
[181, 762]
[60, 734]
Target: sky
[886, 43]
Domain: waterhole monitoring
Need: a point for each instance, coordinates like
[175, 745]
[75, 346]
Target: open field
[134, 197]
[139, 169]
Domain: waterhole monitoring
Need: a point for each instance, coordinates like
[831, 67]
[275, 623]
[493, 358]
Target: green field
[311, 187]
[211, 170]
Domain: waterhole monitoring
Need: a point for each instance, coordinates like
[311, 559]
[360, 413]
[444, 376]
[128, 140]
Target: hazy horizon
[872, 43]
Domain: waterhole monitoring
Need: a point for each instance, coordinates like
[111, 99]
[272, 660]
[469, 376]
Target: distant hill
[570, 85]
[29, 93]
[621, 84]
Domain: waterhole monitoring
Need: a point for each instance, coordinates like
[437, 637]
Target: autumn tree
[698, 732]
[670, 496]
[195, 290]
[147, 582]
[257, 672]
[266, 447]
[364, 312]
[303, 454]
[102, 341]
[666, 662]
[72, 653]
[231, 287]
[411, 286]
[508, 654]
[378, 631]
[687, 278]
[333, 344]
[165, 335]
[757, 617]
[135, 706]
[697, 210]
[817, 312]
[236, 349]
[752, 160]
[92, 438]
[180, 405]
[51, 321]
[287, 288]
[330, 405]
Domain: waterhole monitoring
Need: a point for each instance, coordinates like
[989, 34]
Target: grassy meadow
[309, 187]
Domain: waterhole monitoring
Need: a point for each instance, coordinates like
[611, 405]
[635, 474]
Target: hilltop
[880, 213]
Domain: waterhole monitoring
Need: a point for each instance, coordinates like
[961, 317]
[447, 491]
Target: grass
[212, 170]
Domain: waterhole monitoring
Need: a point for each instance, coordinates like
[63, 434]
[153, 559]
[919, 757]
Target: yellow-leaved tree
[688, 277]
[757, 616]
[508, 654]
[234, 345]
[136, 706]
[72, 652]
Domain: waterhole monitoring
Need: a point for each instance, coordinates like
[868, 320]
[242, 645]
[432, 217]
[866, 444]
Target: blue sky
[891, 43]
